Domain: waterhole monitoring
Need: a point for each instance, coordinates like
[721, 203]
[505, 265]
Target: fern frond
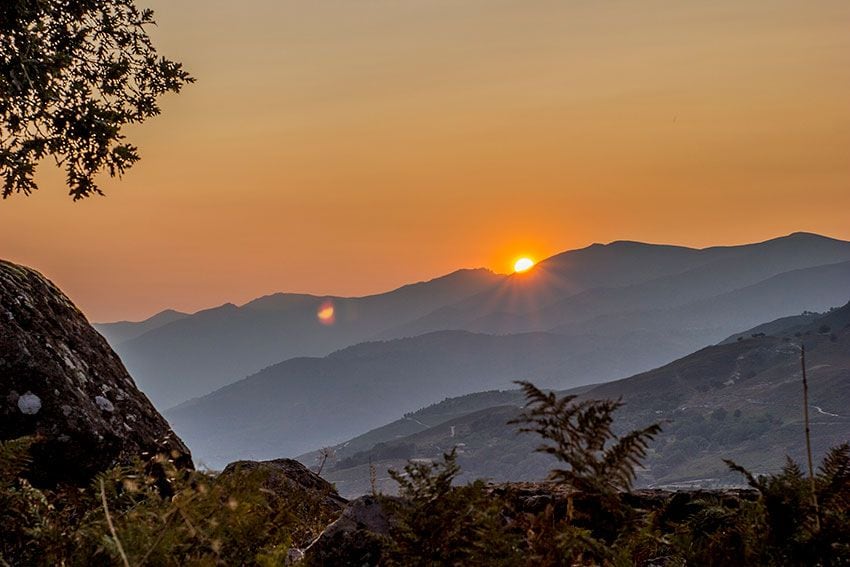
[835, 467]
[621, 459]
[577, 433]
[751, 479]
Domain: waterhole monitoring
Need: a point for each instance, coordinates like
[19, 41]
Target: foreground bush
[154, 514]
[588, 516]
[150, 515]
[797, 529]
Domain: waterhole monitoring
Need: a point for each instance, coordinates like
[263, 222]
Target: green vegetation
[796, 529]
[440, 524]
[596, 521]
[587, 514]
[580, 435]
[156, 515]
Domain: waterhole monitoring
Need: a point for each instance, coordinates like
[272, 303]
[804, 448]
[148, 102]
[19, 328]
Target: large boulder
[61, 383]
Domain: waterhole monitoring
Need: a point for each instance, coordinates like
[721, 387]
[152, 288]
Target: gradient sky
[352, 146]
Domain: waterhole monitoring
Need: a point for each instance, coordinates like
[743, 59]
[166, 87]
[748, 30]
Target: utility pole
[809, 435]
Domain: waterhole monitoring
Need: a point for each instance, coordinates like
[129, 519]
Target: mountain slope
[810, 289]
[302, 403]
[548, 297]
[776, 327]
[416, 422]
[739, 400]
[610, 286]
[367, 385]
[205, 351]
[120, 331]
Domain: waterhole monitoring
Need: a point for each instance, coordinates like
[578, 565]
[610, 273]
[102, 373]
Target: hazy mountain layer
[697, 297]
[121, 331]
[212, 348]
[810, 289]
[740, 400]
[306, 402]
[302, 403]
[532, 302]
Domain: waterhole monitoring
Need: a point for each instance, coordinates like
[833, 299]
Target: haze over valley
[279, 377]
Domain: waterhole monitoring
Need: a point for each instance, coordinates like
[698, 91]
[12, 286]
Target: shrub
[125, 517]
[580, 435]
[435, 523]
[796, 530]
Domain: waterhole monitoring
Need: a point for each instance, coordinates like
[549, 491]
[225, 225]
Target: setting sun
[523, 264]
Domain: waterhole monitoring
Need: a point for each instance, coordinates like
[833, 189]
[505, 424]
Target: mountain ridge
[570, 293]
[737, 400]
[220, 345]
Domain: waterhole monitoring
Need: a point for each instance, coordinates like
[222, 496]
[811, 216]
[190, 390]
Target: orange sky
[352, 146]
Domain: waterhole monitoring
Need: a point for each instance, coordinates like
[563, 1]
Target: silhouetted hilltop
[557, 293]
[684, 298]
[121, 331]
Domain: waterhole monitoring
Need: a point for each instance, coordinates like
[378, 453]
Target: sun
[523, 265]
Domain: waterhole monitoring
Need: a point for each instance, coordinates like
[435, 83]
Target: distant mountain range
[302, 403]
[306, 402]
[740, 400]
[607, 311]
[123, 331]
[630, 279]
[194, 355]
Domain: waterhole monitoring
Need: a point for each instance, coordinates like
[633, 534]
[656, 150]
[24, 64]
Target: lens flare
[325, 313]
[523, 264]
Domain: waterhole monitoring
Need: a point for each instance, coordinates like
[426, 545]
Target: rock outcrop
[311, 499]
[358, 537]
[282, 476]
[61, 383]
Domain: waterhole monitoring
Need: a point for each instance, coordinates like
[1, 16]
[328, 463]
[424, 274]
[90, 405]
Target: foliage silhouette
[795, 530]
[580, 435]
[72, 75]
[436, 523]
[208, 519]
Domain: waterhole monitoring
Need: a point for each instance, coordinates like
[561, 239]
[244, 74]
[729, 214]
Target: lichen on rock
[29, 403]
[104, 404]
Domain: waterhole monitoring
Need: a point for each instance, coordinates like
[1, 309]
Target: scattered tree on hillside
[72, 75]
[325, 453]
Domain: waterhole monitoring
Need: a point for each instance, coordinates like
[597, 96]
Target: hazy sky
[352, 146]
